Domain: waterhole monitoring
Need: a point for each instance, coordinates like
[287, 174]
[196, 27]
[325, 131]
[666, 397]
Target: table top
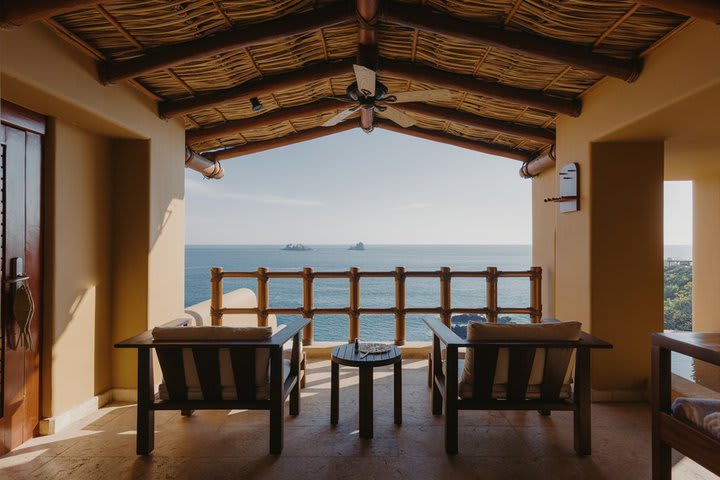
[345, 355]
[703, 346]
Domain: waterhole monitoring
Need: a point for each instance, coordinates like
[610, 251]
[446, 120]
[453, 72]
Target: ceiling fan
[370, 94]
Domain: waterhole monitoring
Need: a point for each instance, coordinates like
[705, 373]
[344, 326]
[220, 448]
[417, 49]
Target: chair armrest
[291, 329]
[444, 334]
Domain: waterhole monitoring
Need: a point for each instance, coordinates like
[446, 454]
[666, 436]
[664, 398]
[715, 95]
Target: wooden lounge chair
[520, 373]
[690, 426]
[227, 369]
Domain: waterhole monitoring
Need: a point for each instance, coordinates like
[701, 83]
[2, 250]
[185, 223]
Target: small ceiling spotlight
[256, 105]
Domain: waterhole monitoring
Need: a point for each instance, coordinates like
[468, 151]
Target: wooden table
[345, 355]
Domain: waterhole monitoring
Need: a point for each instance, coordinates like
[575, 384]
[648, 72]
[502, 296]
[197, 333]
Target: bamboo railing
[354, 310]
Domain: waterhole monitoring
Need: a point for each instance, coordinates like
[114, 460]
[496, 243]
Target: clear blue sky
[383, 188]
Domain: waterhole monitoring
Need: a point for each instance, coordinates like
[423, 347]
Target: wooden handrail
[354, 309]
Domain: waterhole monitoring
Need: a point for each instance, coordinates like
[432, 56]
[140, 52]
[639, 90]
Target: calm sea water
[377, 293]
[512, 292]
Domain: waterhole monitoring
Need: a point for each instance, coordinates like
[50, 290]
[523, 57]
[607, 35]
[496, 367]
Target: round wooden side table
[346, 355]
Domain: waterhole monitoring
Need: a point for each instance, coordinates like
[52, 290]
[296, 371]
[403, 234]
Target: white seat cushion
[555, 331]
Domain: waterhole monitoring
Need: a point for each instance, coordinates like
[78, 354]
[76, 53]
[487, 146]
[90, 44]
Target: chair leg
[435, 367]
[451, 402]
[186, 413]
[430, 371]
[334, 393]
[295, 398]
[544, 413]
[303, 369]
[277, 402]
[145, 416]
[581, 421]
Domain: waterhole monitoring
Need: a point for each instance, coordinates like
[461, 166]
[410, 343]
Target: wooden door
[21, 139]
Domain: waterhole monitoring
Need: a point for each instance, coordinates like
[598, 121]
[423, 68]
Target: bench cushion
[556, 331]
[702, 413]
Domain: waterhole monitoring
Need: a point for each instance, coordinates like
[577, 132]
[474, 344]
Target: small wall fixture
[569, 199]
[256, 105]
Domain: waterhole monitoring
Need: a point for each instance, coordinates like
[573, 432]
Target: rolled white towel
[711, 424]
[694, 410]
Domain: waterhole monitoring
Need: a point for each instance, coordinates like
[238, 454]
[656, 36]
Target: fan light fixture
[256, 105]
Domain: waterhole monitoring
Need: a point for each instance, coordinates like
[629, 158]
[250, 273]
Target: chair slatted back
[207, 365]
[521, 361]
[173, 369]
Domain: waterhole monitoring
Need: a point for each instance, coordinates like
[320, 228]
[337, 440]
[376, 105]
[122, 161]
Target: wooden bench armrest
[444, 334]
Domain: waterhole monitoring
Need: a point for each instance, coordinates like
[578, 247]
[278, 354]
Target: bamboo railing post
[353, 314]
[536, 294]
[399, 306]
[262, 297]
[216, 294]
[492, 294]
[445, 296]
[308, 295]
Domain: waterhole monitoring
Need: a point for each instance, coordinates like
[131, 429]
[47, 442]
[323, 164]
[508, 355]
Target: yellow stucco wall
[677, 84]
[125, 241]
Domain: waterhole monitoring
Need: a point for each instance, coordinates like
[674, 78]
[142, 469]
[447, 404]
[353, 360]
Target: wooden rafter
[256, 88]
[449, 139]
[164, 57]
[367, 11]
[515, 41]
[303, 136]
[468, 119]
[474, 86]
[263, 121]
[15, 13]
[704, 9]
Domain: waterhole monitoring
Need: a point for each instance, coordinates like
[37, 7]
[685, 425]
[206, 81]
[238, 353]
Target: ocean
[287, 293]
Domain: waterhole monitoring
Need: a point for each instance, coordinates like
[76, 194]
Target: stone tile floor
[222, 444]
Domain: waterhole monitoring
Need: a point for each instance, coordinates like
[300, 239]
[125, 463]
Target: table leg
[334, 393]
[397, 397]
[366, 402]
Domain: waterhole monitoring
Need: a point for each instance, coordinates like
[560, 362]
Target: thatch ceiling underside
[123, 30]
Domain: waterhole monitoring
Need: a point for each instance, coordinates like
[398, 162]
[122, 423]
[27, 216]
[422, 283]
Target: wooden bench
[446, 396]
[669, 432]
[206, 356]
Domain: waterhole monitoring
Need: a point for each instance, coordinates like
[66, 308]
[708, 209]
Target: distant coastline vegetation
[678, 297]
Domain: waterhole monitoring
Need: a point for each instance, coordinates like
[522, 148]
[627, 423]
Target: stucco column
[706, 254]
[626, 262]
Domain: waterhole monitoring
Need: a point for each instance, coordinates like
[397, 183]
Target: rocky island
[358, 246]
[296, 247]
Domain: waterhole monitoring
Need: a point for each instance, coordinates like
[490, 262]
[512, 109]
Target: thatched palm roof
[512, 65]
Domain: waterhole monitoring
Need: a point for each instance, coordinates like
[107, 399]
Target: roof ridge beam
[15, 13]
[160, 58]
[515, 41]
[538, 134]
[261, 121]
[256, 88]
[705, 9]
[303, 136]
[483, 88]
[449, 139]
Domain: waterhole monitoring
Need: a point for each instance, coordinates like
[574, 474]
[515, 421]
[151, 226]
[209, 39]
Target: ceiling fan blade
[340, 117]
[420, 96]
[398, 117]
[365, 80]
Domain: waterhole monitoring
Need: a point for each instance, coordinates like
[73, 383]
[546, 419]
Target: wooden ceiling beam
[515, 41]
[303, 136]
[468, 119]
[441, 137]
[256, 88]
[168, 56]
[475, 86]
[367, 12]
[703, 9]
[262, 121]
[15, 13]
